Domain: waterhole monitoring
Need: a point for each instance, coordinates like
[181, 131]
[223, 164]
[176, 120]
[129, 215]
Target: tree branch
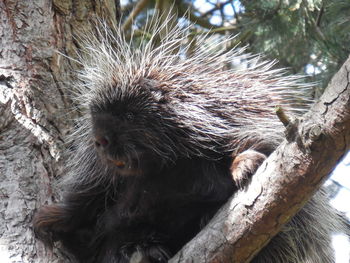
[186, 12]
[283, 183]
[137, 9]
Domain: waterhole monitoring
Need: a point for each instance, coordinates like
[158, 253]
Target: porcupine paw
[244, 165]
[153, 254]
[48, 221]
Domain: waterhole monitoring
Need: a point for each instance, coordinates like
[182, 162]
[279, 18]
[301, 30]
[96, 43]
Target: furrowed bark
[35, 112]
[282, 185]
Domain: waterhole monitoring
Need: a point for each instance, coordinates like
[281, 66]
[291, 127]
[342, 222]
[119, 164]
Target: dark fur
[153, 166]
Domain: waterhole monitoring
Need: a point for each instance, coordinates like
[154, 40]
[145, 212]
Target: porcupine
[158, 147]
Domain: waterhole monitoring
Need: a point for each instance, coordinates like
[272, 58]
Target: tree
[37, 112]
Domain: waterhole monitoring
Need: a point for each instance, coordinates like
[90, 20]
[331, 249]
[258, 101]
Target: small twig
[318, 20]
[186, 12]
[216, 7]
[235, 12]
[281, 114]
[217, 30]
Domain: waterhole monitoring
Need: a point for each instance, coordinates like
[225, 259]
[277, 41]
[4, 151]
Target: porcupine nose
[101, 141]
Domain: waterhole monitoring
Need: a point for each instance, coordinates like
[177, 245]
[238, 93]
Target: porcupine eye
[129, 116]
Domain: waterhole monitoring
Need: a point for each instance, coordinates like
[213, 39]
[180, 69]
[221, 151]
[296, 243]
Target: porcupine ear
[152, 86]
[159, 96]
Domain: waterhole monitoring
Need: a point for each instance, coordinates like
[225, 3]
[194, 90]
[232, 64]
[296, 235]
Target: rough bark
[35, 112]
[282, 185]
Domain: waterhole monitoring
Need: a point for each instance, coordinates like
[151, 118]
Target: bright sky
[341, 173]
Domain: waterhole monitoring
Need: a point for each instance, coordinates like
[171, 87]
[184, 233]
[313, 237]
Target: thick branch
[283, 183]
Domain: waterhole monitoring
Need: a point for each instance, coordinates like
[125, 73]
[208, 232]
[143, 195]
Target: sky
[341, 201]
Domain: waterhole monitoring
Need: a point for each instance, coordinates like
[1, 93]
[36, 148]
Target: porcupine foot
[50, 220]
[244, 165]
[153, 254]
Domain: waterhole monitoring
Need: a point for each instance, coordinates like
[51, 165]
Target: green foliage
[300, 33]
[306, 36]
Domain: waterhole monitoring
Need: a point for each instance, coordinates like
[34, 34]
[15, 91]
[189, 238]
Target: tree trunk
[36, 112]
